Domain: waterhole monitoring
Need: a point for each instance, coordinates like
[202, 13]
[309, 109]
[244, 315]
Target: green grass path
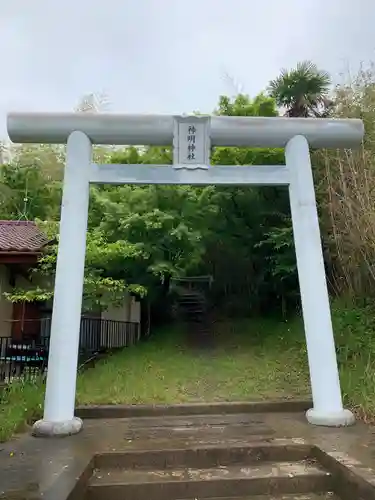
[253, 360]
[166, 370]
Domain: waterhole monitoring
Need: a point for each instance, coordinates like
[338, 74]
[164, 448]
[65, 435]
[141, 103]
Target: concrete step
[187, 298]
[191, 302]
[202, 414]
[191, 312]
[191, 298]
[193, 306]
[207, 456]
[191, 294]
[305, 496]
[277, 478]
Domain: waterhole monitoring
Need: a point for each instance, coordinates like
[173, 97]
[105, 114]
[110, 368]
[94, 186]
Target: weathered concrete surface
[237, 480]
[223, 408]
[304, 496]
[48, 468]
[205, 456]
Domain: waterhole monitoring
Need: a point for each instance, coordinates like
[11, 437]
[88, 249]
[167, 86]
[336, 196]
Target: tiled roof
[21, 236]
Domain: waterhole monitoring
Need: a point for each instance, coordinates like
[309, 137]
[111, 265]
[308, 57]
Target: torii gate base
[192, 138]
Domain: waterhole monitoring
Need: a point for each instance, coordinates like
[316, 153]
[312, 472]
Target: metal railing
[27, 357]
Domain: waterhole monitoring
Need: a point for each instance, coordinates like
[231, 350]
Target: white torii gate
[192, 138]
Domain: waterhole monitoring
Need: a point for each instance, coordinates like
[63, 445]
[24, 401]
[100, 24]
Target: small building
[21, 245]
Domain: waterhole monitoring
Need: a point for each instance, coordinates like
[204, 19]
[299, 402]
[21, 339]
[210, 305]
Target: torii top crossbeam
[122, 129]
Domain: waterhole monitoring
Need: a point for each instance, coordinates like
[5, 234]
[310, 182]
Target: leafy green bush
[355, 345]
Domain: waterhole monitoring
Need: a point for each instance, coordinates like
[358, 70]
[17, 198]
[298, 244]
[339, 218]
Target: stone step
[186, 298]
[192, 304]
[194, 313]
[191, 298]
[207, 456]
[192, 483]
[190, 308]
[305, 496]
[193, 309]
[191, 294]
[205, 415]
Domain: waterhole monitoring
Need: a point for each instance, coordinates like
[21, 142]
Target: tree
[30, 185]
[303, 91]
[245, 280]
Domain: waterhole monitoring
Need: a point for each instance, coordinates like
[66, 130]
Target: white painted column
[325, 382]
[59, 406]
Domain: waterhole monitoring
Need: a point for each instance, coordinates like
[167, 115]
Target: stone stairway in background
[194, 312]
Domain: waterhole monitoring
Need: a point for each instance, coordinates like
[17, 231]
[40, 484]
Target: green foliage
[100, 289]
[354, 326]
[241, 105]
[30, 186]
[32, 295]
[280, 251]
[158, 231]
[302, 91]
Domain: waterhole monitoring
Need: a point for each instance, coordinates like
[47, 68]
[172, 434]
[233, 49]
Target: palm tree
[303, 91]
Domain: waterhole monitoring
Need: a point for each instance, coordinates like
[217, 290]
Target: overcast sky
[169, 56]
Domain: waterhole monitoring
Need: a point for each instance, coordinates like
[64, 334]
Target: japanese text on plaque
[191, 146]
